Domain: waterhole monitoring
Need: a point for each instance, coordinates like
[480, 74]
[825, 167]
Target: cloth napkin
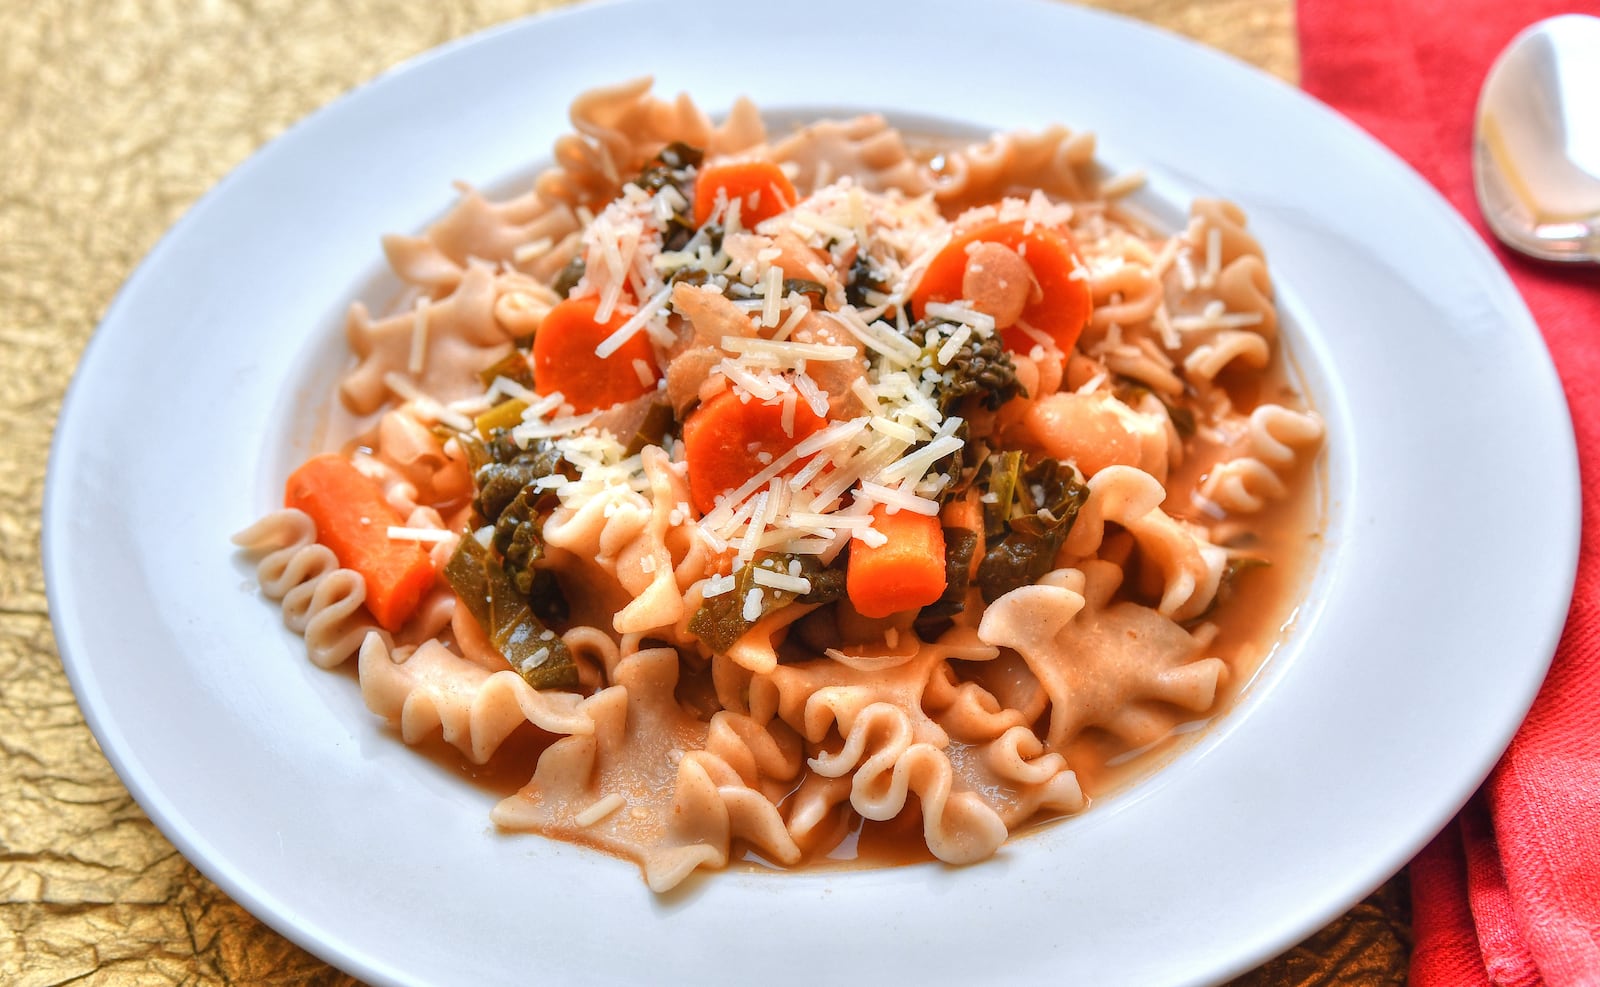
[1509, 892]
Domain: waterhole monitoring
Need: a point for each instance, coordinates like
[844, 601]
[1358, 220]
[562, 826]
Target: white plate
[1450, 464]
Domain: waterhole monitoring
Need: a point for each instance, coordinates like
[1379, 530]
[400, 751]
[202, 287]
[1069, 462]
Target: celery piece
[513, 366]
[506, 414]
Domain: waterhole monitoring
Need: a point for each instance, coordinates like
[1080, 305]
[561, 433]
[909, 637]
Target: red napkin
[1509, 893]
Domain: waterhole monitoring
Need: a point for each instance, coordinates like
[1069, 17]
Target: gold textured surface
[114, 118]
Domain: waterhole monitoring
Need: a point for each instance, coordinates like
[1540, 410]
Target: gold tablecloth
[114, 117]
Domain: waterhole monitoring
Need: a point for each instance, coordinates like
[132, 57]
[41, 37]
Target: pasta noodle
[792, 490]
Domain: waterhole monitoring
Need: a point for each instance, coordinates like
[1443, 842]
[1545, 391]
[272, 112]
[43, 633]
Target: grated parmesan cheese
[652, 309]
[782, 581]
[419, 338]
[599, 810]
[532, 250]
[433, 535]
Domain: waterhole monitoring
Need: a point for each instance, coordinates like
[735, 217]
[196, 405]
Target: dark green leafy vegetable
[505, 476]
[721, 621]
[959, 546]
[1237, 566]
[1243, 563]
[517, 538]
[689, 275]
[814, 290]
[1035, 506]
[981, 367]
[507, 470]
[999, 477]
[1131, 392]
[674, 166]
[712, 234]
[861, 279]
[1182, 419]
[827, 584]
[569, 276]
[537, 653]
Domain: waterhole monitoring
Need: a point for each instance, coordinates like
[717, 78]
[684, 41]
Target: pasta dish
[777, 495]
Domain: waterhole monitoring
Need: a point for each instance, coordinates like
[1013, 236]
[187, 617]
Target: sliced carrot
[761, 187]
[564, 357]
[727, 441]
[1064, 304]
[353, 520]
[904, 573]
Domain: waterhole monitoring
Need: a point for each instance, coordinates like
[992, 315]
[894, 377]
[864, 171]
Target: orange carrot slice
[727, 441]
[1063, 307]
[353, 521]
[904, 573]
[564, 357]
[761, 187]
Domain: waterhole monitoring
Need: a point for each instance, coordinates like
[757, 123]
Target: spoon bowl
[1536, 150]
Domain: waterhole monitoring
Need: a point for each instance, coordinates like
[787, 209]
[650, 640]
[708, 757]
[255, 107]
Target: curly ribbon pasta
[321, 601]
[434, 691]
[1276, 435]
[677, 807]
[670, 752]
[1117, 666]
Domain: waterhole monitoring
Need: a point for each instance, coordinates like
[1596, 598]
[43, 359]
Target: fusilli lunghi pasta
[795, 493]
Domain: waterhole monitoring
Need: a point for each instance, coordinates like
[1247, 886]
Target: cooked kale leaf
[503, 611]
[509, 498]
[721, 620]
[815, 291]
[674, 166]
[569, 276]
[981, 367]
[1131, 392]
[959, 546]
[862, 278]
[1032, 510]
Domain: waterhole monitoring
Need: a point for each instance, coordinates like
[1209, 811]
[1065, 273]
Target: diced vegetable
[761, 187]
[506, 414]
[353, 520]
[906, 572]
[1063, 303]
[564, 357]
[537, 653]
[727, 441]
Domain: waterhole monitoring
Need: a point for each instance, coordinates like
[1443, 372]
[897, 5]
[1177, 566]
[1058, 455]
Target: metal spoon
[1536, 152]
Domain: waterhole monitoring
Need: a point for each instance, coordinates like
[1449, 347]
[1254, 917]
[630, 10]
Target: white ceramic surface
[1415, 656]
